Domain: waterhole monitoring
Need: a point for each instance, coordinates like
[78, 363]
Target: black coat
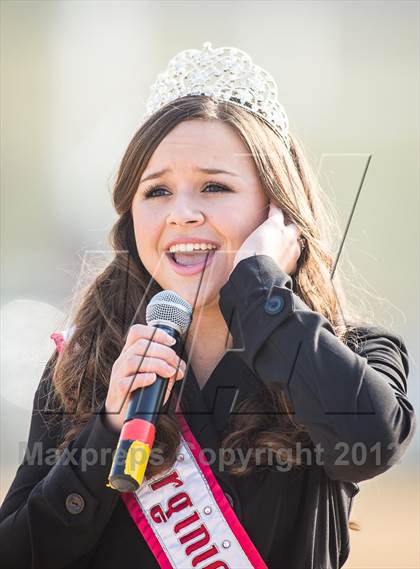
[62, 515]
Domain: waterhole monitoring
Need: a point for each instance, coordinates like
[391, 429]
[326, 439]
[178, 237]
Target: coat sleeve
[354, 406]
[57, 506]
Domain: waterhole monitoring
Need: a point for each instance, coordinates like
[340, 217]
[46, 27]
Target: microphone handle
[138, 433]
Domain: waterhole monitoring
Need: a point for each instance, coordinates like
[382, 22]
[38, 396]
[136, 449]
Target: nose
[183, 212]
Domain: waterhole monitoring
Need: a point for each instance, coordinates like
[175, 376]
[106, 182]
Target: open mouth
[191, 258]
[190, 262]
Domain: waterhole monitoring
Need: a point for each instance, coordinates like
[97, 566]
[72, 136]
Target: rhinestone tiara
[223, 73]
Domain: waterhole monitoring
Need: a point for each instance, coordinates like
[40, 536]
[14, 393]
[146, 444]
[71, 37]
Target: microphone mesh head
[170, 309]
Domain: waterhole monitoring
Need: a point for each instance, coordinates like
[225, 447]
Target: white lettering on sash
[176, 504]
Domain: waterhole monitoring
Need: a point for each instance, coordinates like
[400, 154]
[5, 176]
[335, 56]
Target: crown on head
[224, 73]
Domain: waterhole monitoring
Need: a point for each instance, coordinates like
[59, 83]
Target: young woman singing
[283, 400]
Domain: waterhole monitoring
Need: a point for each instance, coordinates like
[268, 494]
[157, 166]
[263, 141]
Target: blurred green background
[75, 77]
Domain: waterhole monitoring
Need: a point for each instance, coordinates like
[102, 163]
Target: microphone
[169, 311]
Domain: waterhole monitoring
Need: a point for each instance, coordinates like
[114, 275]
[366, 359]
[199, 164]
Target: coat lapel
[207, 410]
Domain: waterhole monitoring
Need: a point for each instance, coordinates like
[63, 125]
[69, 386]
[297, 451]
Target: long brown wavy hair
[118, 295]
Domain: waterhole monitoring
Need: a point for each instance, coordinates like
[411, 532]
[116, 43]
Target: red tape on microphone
[138, 430]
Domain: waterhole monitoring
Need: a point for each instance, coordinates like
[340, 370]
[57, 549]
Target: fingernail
[171, 341]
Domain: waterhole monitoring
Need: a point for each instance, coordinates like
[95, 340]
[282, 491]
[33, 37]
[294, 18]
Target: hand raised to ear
[274, 237]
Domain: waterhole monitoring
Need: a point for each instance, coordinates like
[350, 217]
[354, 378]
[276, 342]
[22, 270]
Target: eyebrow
[205, 170]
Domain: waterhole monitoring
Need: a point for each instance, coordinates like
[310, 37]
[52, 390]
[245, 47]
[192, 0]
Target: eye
[214, 185]
[150, 192]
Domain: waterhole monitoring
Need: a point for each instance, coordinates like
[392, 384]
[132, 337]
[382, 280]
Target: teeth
[186, 247]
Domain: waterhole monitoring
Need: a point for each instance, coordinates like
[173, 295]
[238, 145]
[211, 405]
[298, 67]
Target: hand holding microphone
[146, 352]
[147, 358]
